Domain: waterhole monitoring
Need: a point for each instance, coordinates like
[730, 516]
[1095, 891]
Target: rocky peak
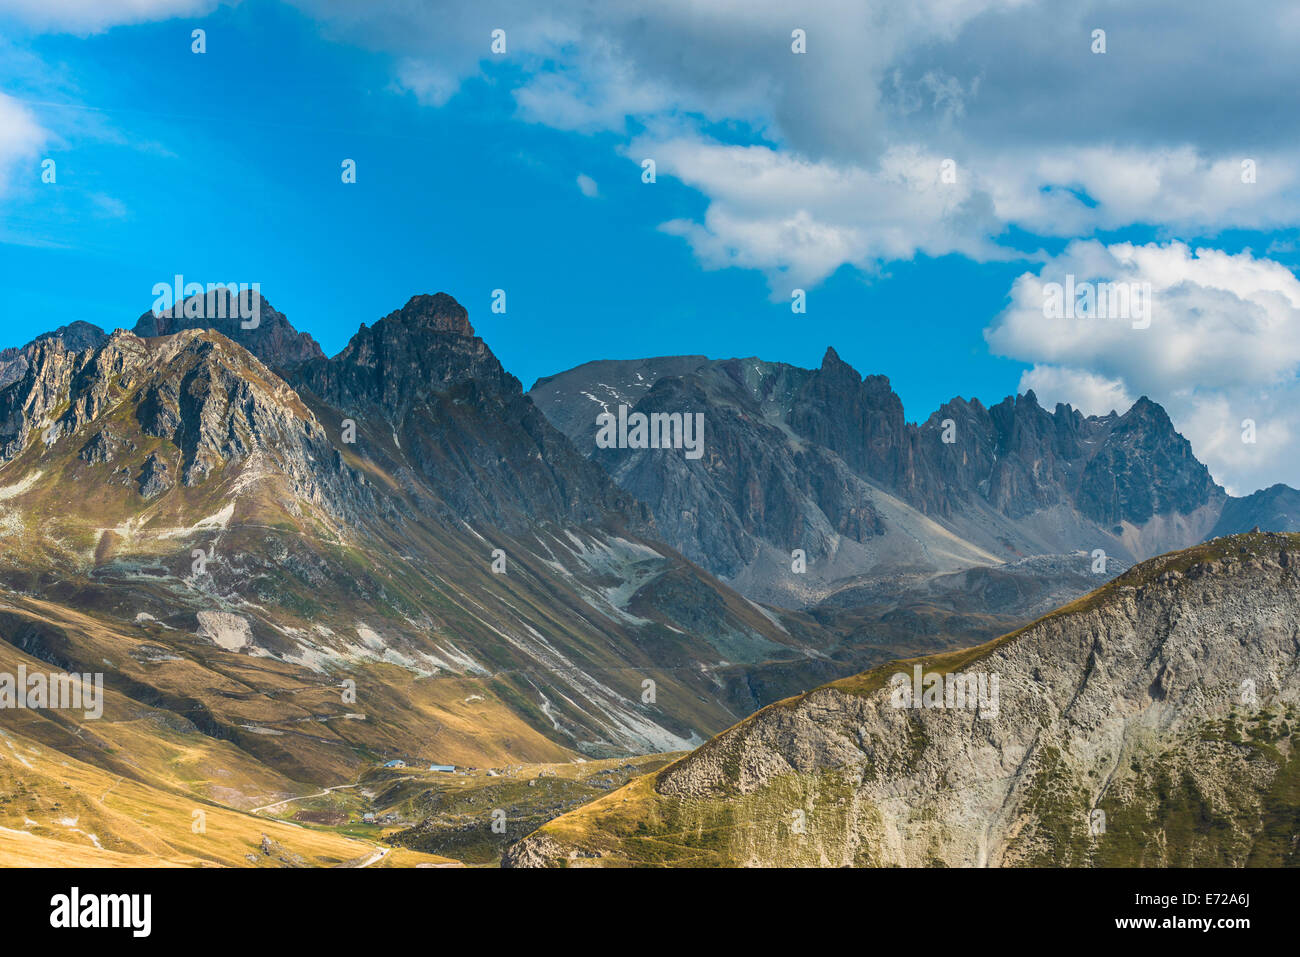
[426, 347]
[421, 381]
[1148, 418]
[273, 340]
[75, 337]
[434, 313]
[859, 419]
[212, 403]
[1144, 467]
[831, 362]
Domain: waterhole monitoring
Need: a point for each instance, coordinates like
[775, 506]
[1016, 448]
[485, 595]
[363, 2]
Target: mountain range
[291, 568]
[823, 460]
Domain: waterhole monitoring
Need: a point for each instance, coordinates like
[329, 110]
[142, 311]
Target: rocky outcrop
[104, 446]
[155, 476]
[267, 334]
[74, 337]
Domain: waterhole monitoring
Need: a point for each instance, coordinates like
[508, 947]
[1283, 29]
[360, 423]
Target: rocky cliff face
[75, 336]
[753, 486]
[1144, 469]
[1152, 723]
[211, 403]
[866, 494]
[421, 385]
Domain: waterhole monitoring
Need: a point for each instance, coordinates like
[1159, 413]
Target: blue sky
[776, 170]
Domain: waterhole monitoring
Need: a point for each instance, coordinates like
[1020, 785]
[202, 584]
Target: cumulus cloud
[800, 220]
[587, 185]
[1223, 346]
[838, 213]
[1216, 319]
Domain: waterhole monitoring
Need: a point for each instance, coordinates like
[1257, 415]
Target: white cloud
[431, 85]
[21, 140]
[1223, 346]
[1068, 192]
[799, 220]
[1088, 392]
[595, 87]
[587, 185]
[774, 210]
[1217, 320]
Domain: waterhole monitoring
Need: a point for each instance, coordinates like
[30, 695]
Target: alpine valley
[347, 609]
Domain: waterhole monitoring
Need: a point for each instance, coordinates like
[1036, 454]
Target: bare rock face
[1144, 468]
[154, 476]
[104, 446]
[273, 339]
[823, 460]
[752, 485]
[205, 396]
[420, 382]
[1151, 724]
[860, 420]
[423, 349]
[74, 337]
